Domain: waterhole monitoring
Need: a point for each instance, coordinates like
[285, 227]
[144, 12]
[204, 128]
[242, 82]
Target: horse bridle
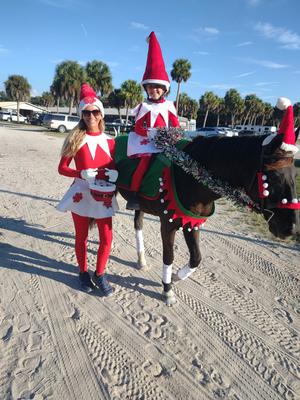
[263, 193]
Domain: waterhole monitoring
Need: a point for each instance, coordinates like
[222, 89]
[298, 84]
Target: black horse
[236, 160]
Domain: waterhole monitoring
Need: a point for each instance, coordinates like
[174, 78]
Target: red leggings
[139, 173]
[81, 236]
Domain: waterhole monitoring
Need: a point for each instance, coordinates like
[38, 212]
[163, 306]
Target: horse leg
[138, 226]
[168, 237]
[192, 241]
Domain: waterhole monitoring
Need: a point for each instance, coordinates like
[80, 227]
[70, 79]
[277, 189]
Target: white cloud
[225, 86]
[138, 25]
[112, 64]
[253, 2]
[266, 83]
[3, 50]
[287, 39]
[201, 53]
[134, 48]
[211, 31]
[84, 30]
[265, 63]
[243, 44]
[245, 74]
[61, 3]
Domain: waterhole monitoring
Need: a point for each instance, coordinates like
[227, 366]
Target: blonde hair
[75, 137]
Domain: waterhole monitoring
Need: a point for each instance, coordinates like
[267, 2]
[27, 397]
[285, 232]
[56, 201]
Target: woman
[93, 154]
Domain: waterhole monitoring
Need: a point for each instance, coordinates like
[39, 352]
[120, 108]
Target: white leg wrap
[185, 272]
[167, 273]
[139, 241]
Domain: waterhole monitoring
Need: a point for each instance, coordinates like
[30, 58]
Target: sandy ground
[233, 333]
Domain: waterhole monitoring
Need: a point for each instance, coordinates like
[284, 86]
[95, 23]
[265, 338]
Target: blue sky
[250, 45]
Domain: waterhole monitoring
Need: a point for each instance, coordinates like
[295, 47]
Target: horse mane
[234, 159]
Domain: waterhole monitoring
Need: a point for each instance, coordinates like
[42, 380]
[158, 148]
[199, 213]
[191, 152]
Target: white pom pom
[162, 200]
[171, 220]
[161, 184]
[181, 228]
[196, 228]
[160, 179]
[295, 201]
[189, 229]
[165, 211]
[264, 177]
[284, 201]
[160, 190]
[266, 193]
[265, 185]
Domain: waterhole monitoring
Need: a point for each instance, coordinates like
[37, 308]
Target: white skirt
[138, 144]
[79, 200]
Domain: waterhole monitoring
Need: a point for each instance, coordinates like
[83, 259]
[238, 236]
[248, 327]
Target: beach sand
[233, 333]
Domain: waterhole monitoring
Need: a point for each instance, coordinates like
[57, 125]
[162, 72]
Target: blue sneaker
[102, 284]
[85, 282]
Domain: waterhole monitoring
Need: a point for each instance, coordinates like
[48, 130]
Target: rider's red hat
[155, 71]
[287, 125]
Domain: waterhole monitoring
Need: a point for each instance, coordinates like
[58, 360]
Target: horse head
[274, 188]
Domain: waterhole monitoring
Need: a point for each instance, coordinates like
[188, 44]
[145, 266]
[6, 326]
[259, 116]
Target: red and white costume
[96, 151]
[150, 114]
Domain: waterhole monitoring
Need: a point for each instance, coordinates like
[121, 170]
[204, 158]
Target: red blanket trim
[187, 220]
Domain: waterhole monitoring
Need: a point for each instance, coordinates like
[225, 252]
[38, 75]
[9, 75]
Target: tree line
[209, 110]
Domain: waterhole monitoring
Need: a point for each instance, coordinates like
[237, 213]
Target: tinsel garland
[166, 139]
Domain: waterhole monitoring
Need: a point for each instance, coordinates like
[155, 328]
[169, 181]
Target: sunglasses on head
[87, 113]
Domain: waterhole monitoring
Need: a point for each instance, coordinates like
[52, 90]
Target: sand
[233, 333]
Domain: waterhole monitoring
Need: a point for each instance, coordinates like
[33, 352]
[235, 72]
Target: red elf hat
[155, 71]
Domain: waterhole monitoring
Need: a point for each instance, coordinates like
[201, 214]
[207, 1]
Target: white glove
[89, 174]
[112, 174]
[151, 133]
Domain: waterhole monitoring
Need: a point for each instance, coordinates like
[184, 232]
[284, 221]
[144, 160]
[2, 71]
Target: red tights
[81, 236]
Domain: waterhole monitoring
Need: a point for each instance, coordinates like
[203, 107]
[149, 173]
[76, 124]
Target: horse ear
[272, 142]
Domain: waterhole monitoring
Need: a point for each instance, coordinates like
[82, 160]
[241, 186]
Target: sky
[249, 45]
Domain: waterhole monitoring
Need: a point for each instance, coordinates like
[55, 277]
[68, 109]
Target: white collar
[93, 141]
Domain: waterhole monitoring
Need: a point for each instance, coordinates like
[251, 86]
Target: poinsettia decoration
[77, 197]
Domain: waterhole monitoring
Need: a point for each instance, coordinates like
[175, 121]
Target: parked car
[121, 122]
[60, 122]
[37, 119]
[11, 116]
[206, 131]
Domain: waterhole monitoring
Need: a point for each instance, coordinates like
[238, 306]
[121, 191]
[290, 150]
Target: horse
[242, 162]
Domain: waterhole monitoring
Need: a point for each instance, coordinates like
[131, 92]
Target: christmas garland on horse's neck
[165, 140]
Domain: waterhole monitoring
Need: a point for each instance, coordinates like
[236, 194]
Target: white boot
[185, 272]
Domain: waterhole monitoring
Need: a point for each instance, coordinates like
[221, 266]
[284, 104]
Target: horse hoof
[175, 278]
[140, 265]
[169, 298]
[141, 262]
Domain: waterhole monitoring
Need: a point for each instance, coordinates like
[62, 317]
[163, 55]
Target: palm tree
[182, 104]
[220, 108]
[47, 99]
[187, 107]
[181, 72]
[70, 75]
[250, 105]
[267, 113]
[132, 93]
[234, 104]
[116, 99]
[56, 90]
[99, 77]
[18, 89]
[208, 102]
